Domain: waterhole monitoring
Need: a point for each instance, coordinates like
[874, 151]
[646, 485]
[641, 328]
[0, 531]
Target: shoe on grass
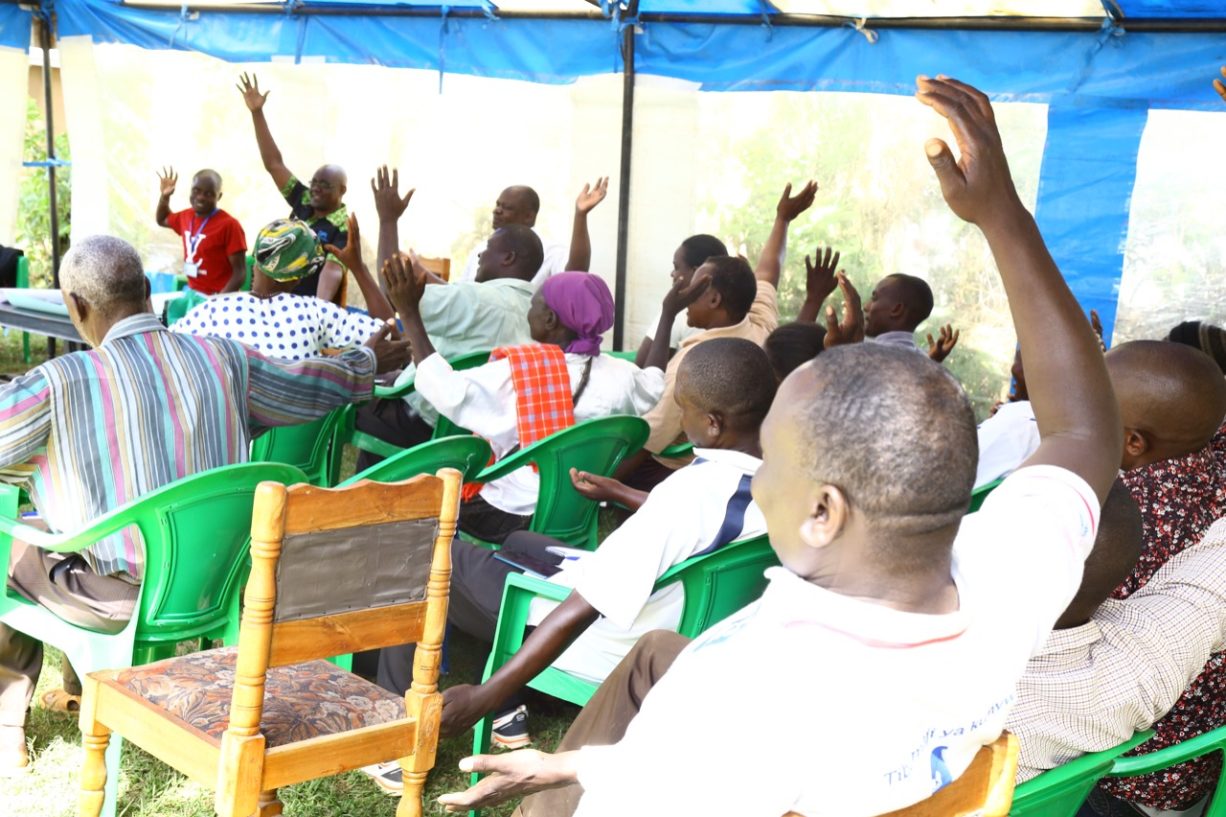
[14, 759]
[387, 776]
[511, 729]
[61, 700]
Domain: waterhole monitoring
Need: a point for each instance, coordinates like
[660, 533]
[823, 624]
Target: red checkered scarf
[543, 400]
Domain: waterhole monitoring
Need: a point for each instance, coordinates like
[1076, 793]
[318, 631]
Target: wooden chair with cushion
[439, 266]
[985, 789]
[333, 571]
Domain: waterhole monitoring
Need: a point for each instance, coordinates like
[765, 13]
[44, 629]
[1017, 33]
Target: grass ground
[149, 788]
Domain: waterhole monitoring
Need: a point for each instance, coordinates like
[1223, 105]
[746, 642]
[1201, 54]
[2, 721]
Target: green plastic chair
[1214, 741]
[1059, 792]
[596, 446]
[195, 532]
[444, 427]
[981, 493]
[466, 454]
[313, 447]
[683, 449]
[22, 281]
[629, 355]
[715, 584]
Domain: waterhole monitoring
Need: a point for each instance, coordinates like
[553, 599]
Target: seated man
[90, 431]
[214, 260]
[884, 652]
[687, 258]
[276, 322]
[898, 305]
[520, 205]
[734, 302]
[1172, 400]
[1114, 667]
[525, 393]
[320, 203]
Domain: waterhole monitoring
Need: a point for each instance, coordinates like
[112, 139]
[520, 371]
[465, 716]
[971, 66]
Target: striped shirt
[90, 431]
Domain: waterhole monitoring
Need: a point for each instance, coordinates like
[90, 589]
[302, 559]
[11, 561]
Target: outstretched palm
[250, 88]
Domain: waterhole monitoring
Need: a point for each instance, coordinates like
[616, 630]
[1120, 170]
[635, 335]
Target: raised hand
[386, 188]
[682, 295]
[351, 255]
[977, 185]
[511, 774]
[1097, 325]
[405, 285]
[820, 278]
[591, 195]
[250, 89]
[167, 179]
[789, 206]
[850, 329]
[1219, 86]
[940, 348]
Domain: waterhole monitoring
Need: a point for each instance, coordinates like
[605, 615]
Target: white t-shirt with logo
[829, 706]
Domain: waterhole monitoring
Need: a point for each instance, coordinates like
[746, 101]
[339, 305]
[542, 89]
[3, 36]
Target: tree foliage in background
[34, 208]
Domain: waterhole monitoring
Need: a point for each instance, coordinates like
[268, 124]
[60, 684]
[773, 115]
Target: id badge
[191, 269]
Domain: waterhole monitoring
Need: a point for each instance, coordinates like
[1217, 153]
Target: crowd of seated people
[1084, 601]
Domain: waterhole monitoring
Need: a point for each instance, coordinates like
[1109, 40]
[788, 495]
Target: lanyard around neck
[193, 239]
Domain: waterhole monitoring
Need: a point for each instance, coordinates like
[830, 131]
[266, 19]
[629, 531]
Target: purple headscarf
[583, 304]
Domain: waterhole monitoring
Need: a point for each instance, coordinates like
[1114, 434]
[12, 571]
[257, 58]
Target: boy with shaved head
[884, 652]
[214, 247]
[1172, 401]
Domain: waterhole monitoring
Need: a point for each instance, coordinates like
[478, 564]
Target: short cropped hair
[734, 280]
[792, 345]
[696, 249]
[917, 296]
[1116, 550]
[895, 432]
[526, 244]
[731, 376]
[104, 270]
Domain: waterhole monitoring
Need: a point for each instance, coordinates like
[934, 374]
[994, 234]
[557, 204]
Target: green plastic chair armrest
[368, 442]
[1190, 749]
[981, 493]
[624, 355]
[393, 392]
[520, 458]
[685, 449]
[523, 584]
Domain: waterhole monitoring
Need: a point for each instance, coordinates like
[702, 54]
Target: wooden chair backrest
[985, 789]
[439, 266]
[341, 570]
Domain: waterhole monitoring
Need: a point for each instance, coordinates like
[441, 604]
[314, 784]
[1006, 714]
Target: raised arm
[580, 242]
[270, 155]
[377, 304]
[404, 288]
[770, 264]
[390, 206]
[820, 281]
[167, 179]
[1076, 410]
[466, 704]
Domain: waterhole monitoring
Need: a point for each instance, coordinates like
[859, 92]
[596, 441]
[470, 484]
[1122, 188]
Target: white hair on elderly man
[104, 271]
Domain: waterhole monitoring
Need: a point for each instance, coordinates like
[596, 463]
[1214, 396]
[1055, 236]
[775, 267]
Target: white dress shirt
[483, 401]
[1091, 687]
[848, 708]
[556, 256]
[1006, 440]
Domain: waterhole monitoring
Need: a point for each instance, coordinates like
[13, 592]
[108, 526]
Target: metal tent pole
[623, 196]
[44, 29]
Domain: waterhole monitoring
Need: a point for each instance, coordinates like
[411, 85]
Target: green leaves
[33, 207]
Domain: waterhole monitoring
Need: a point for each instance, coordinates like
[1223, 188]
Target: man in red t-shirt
[214, 246]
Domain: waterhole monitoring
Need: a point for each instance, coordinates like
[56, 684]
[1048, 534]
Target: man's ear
[1136, 444]
[715, 426]
[826, 516]
[508, 258]
[898, 311]
[148, 289]
[219, 195]
[80, 307]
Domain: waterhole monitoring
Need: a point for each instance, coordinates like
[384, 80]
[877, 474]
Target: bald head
[1116, 550]
[106, 272]
[327, 188]
[517, 204]
[1172, 399]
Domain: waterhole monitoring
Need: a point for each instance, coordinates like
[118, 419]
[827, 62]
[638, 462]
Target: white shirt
[681, 330]
[618, 576]
[470, 317]
[1091, 687]
[556, 256]
[1006, 440]
[483, 401]
[845, 708]
[285, 326]
[900, 338]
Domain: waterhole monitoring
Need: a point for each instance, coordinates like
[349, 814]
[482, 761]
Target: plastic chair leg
[25, 347]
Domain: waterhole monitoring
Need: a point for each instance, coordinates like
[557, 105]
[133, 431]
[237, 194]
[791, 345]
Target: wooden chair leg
[410, 800]
[269, 805]
[94, 738]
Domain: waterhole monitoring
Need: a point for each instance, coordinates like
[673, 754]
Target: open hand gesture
[351, 255]
[386, 188]
[1219, 86]
[820, 278]
[850, 329]
[940, 348]
[977, 185]
[507, 775]
[591, 195]
[789, 206]
[405, 284]
[167, 179]
[681, 295]
[250, 89]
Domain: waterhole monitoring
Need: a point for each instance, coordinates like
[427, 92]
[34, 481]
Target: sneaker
[511, 729]
[387, 776]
